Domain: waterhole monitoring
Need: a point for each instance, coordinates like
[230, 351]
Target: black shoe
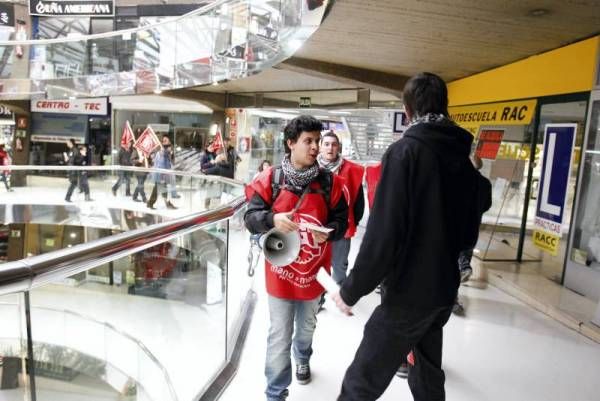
[303, 373]
[114, 191]
[150, 206]
[68, 200]
[402, 371]
[136, 200]
[170, 205]
[127, 193]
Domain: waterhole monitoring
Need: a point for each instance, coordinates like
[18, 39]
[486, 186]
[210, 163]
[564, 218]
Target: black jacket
[124, 157]
[423, 216]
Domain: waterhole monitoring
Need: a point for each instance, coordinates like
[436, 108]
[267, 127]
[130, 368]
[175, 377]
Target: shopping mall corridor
[500, 350]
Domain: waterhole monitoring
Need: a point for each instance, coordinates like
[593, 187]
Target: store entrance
[100, 136]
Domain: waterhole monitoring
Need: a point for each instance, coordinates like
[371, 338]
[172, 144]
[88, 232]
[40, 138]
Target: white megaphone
[280, 249]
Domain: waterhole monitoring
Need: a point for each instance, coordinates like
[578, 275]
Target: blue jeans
[340, 250]
[278, 367]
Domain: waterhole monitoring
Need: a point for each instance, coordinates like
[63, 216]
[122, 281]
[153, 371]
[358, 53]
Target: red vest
[372, 177]
[297, 281]
[352, 174]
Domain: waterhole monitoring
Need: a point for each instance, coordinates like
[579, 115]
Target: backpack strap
[325, 180]
[277, 180]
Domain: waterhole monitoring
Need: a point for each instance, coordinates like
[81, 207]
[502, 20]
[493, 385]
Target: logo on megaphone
[280, 249]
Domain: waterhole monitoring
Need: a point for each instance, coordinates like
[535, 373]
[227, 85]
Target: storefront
[509, 110]
[188, 124]
[54, 122]
[7, 126]
[582, 272]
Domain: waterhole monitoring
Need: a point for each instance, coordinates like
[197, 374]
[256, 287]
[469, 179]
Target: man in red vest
[352, 173]
[296, 196]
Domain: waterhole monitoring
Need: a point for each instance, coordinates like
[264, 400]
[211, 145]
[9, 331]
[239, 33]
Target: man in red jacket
[352, 173]
[287, 197]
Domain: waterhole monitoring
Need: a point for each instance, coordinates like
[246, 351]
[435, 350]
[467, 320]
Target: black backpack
[325, 179]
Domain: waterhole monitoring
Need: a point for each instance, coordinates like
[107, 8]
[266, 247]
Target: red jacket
[372, 177]
[297, 280]
[352, 174]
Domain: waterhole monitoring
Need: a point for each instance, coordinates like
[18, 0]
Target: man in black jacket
[423, 216]
[124, 159]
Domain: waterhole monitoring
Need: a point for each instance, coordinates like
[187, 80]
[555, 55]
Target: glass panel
[154, 329]
[508, 173]
[238, 281]
[586, 239]
[14, 384]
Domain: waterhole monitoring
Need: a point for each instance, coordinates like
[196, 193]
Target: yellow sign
[472, 118]
[546, 241]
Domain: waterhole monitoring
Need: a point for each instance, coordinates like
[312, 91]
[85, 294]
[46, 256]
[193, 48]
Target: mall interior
[106, 294]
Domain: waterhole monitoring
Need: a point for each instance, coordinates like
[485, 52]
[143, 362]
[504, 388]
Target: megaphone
[280, 249]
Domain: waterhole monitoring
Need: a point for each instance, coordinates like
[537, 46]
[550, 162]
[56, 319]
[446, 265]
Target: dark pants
[154, 195]
[139, 189]
[340, 250]
[72, 186]
[389, 335]
[5, 177]
[123, 176]
[84, 184]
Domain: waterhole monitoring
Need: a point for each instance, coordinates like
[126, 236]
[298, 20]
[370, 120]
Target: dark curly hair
[297, 126]
[425, 93]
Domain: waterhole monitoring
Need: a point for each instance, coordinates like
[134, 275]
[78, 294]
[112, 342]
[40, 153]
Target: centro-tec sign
[90, 8]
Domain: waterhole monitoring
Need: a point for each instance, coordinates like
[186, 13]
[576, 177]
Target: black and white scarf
[430, 118]
[299, 179]
[333, 166]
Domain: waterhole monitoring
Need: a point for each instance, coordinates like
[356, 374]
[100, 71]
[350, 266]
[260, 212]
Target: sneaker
[402, 371]
[465, 274]
[458, 308]
[303, 373]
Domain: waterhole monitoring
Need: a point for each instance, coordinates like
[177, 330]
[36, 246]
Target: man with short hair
[296, 196]
[330, 158]
[124, 159]
[424, 215]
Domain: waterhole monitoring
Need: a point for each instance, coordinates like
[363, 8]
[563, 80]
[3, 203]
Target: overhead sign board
[7, 14]
[90, 106]
[472, 118]
[81, 8]
[559, 140]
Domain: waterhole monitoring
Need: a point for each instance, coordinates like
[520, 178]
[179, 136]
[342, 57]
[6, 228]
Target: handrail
[117, 167]
[201, 10]
[29, 273]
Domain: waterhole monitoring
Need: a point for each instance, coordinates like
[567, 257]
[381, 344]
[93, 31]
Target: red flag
[148, 142]
[127, 135]
[218, 142]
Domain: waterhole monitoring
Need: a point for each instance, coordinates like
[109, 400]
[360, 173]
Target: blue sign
[559, 140]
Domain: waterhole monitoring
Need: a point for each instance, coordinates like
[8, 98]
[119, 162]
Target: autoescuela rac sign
[92, 8]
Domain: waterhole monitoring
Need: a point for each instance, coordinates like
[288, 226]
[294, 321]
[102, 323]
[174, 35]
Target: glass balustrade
[156, 320]
[225, 40]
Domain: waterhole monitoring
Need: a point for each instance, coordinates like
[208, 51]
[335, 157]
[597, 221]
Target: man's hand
[346, 310]
[319, 236]
[283, 222]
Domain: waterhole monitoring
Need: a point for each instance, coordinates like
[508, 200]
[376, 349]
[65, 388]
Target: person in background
[138, 160]
[162, 160]
[5, 161]
[82, 160]
[265, 164]
[330, 158]
[69, 157]
[208, 157]
[424, 215]
[225, 162]
[124, 159]
[284, 198]
[464, 259]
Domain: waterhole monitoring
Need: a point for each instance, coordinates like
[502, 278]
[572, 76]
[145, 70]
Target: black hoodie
[422, 217]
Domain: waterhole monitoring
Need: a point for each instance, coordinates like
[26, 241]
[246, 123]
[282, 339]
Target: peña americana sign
[92, 8]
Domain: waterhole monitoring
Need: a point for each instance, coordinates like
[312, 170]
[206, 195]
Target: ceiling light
[538, 12]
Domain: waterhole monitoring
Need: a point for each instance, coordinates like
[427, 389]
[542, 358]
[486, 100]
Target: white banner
[93, 106]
